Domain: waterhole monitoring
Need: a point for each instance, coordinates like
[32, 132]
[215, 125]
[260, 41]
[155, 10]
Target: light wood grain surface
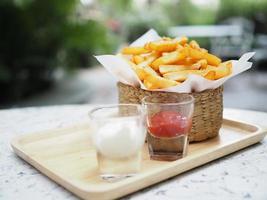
[67, 157]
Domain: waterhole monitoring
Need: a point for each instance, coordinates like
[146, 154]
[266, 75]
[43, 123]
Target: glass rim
[183, 102]
[138, 106]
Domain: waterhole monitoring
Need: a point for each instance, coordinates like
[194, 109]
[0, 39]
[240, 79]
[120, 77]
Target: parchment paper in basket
[119, 67]
[123, 72]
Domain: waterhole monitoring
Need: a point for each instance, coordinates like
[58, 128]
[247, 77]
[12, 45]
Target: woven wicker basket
[207, 117]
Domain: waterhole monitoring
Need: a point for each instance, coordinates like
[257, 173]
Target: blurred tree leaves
[39, 35]
[36, 36]
[184, 12]
[85, 39]
[245, 8]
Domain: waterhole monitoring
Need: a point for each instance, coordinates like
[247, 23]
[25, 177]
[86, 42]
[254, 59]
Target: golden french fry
[221, 71]
[134, 50]
[167, 59]
[194, 44]
[228, 65]
[185, 51]
[201, 64]
[149, 85]
[186, 61]
[165, 53]
[182, 40]
[195, 54]
[139, 71]
[212, 59]
[147, 46]
[196, 66]
[182, 75]
[179, 47]
[157, 82]
[142, 70]
[137, 59]
[210, 75]
[149, 71]
[146, 63]
[204, 50]
[163, 45]
[152, 56]
[163, 69]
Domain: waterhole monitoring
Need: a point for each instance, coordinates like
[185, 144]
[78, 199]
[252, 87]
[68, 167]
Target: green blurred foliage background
[39, 36]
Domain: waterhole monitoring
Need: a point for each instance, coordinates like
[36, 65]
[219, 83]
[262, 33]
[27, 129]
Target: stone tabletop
[241, 175]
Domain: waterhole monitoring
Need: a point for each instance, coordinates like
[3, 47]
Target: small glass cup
[168, 120]
[119, 136]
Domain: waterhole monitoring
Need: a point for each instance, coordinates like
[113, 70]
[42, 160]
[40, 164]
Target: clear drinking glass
[119, 135]
[168, 120]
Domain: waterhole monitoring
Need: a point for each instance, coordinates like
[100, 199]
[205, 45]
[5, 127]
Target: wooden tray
[67, 157]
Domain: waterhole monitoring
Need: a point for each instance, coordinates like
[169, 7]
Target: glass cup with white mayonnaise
[118, 136]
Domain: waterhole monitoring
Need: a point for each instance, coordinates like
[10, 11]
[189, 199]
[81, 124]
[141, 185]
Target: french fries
[163, 69]
[168, 62]
[167, 59]
[182, 75]
[137, 59]
[194, 44]
[182, 40]
[163, 45]
[139, 71]
[201, 64]
[157, 82]
[210, 75]
[134, 50]
[212, 60]
[224, 69]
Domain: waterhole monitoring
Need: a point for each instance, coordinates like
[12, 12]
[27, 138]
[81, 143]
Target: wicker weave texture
[208, 112]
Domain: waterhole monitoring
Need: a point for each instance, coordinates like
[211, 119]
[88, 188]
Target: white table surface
[242, 175]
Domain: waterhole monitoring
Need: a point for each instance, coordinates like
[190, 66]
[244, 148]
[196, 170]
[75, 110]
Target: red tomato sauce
[168, 124]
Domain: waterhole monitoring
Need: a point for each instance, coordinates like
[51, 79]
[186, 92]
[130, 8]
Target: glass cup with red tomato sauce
[168, 121]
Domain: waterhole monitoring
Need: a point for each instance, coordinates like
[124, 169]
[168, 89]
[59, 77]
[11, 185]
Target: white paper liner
[123, 72]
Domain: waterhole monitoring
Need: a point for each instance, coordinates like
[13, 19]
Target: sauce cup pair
[120, 131]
